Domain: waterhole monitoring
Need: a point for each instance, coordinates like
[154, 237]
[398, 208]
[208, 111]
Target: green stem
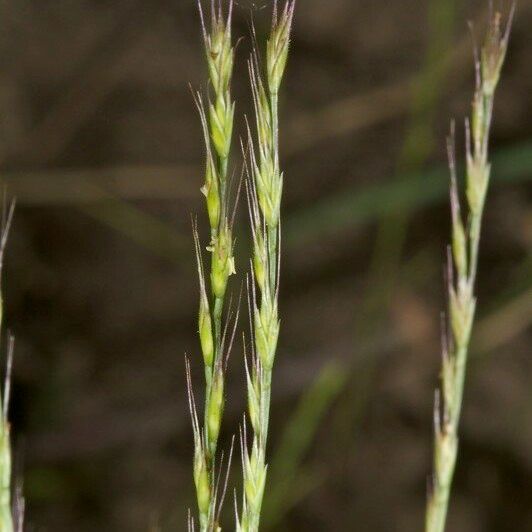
[6, 519]
[437, 512]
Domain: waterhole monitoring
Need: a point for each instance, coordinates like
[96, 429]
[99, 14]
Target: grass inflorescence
[217, 124]
[264, 188]
[463, 266]
[264, 193]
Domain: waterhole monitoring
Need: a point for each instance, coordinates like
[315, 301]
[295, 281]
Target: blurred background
[101, 145]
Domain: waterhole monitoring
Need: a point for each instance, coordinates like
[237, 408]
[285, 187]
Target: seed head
[211, 191]
[462, 311]
[253, 399]
[221, 116]
[259, 260]
[278, 44]
[211, 188]
[459, 242]
[494, 51]
[254, 477]
[201, 479]
[216, 406]
[205, 332]
[478, 121]
[262, 111]
[266, 332]
[459, 245]
[270, 191]
[268, 187]
[478, 174]
[223, 264]
[218, 47]
[204, 316]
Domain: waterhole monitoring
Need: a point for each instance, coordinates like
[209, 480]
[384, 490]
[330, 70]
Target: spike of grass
[264, 191]
[462, 268]
[217, 125]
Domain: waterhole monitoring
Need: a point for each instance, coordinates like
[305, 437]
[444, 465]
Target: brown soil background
[100, 143]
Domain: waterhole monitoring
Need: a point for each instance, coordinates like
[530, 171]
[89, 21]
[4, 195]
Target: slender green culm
[7, 522]
[264, 191]
[462, 268]
[217, 123]
[6, 516]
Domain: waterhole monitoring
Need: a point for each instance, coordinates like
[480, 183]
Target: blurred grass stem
[462, 268]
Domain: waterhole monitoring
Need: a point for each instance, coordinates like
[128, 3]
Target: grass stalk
[6, 516]
[462, 268]
[11, 516]
[264, 191]
[217, 124]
